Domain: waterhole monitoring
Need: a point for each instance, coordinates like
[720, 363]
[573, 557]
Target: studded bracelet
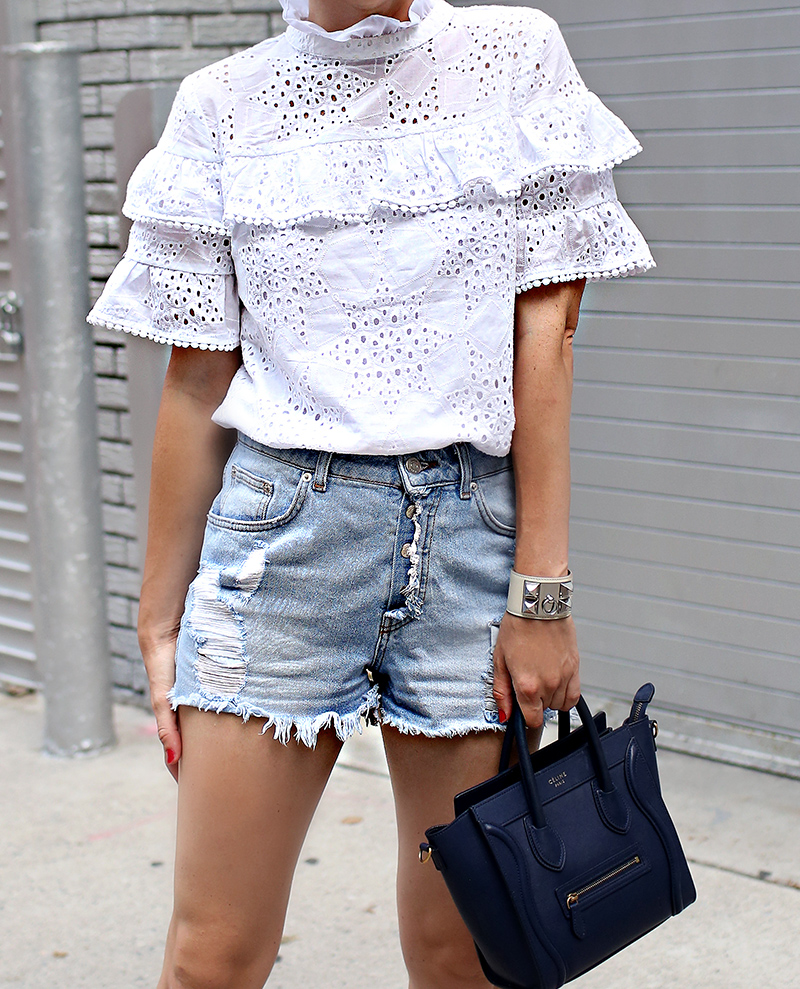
[545, 598]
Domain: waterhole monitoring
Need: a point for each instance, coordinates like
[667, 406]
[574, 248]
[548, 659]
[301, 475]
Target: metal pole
[66, 531]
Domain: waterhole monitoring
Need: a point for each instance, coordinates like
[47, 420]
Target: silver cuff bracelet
[540, 597]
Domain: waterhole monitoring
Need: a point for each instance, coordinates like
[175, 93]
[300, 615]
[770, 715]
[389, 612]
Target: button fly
[406, 550]
[411, 511]
[414, 465]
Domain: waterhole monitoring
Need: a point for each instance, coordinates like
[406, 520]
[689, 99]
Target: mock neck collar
[371, 37]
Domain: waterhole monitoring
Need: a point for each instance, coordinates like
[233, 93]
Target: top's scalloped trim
[150, 333]
[377, 205]
[504, 191]
[176, 223]
[574, 273]
[261, 217]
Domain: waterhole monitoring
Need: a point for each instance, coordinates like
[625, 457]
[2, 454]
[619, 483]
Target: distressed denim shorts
[334, 588]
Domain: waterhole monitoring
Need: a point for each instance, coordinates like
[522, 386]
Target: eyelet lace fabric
[174, 286]
[358, 215]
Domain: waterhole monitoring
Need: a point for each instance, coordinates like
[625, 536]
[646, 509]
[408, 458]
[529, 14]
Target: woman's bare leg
[244, 807]
[426, 774]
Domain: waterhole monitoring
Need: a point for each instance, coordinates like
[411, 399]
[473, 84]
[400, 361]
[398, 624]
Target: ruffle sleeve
[570, 223]
[176, 283]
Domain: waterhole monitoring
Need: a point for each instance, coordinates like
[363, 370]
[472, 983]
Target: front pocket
[244, 496]
[612, 876]
[250, 503]
[495, 498]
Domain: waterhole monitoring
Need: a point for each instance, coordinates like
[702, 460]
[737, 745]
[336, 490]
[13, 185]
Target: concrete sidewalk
[85, 873]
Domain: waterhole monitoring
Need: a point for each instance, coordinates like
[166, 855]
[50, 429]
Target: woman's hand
[159, 661]
[540, 659]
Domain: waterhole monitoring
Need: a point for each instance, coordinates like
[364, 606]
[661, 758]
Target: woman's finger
[168, 730]
[532, 708]
[558, 702]
[168, 733]
[502, 690]
[573, 692]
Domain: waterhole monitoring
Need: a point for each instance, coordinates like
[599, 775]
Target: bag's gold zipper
[572, 898]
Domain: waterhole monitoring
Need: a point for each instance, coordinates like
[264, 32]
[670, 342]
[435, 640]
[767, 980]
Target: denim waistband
[459, 463]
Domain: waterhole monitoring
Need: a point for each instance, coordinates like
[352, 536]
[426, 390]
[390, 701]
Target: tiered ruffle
[178, 191]
[570, 225]
[179, 297]
[353, 179]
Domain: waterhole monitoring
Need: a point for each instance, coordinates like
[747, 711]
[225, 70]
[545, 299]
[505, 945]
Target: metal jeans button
[411, 511]
[406, 550]
[414, 465]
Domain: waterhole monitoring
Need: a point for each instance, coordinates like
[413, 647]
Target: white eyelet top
[356, 211]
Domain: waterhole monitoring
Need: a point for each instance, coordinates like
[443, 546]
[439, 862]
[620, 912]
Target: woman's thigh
[245, 802]
[426, 773]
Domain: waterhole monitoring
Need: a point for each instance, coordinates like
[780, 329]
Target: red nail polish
[170, 757]
[502, 716]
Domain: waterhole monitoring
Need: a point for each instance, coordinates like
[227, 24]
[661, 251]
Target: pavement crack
[362, 769]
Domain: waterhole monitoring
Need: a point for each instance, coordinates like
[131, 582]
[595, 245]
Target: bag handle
[564, 729]
[516, 730]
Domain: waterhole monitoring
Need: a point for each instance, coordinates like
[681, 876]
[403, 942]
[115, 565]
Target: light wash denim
[334, 588]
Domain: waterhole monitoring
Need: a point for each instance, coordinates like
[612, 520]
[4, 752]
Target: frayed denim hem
[285, 727]
[447, 731]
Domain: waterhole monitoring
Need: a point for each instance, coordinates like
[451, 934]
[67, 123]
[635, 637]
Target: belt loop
[465, 463]
[321, 473]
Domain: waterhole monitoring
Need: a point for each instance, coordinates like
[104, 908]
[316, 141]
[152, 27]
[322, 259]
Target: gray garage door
[687, 426]
[17, 658]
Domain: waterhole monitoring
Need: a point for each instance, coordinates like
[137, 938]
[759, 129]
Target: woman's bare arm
[188, 458]
[541, 657]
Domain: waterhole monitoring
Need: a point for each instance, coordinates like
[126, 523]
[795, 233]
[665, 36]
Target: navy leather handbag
[559, 862]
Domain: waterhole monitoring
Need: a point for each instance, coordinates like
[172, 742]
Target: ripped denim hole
[216, 627]
[487, 677]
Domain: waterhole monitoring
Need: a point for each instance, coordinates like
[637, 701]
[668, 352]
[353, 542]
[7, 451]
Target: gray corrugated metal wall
[686, 511]
[17, 657]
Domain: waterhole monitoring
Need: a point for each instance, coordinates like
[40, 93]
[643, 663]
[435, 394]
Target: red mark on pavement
[131, 826]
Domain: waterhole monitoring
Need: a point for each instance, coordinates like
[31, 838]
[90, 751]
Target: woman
[367, 241]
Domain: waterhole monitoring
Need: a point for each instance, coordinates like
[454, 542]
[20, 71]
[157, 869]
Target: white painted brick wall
[77, 9]
[143, 32]
[181, 7]
[229, 29]
[125, 44]
[81, 34]
[161, 64]
[52, 10]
